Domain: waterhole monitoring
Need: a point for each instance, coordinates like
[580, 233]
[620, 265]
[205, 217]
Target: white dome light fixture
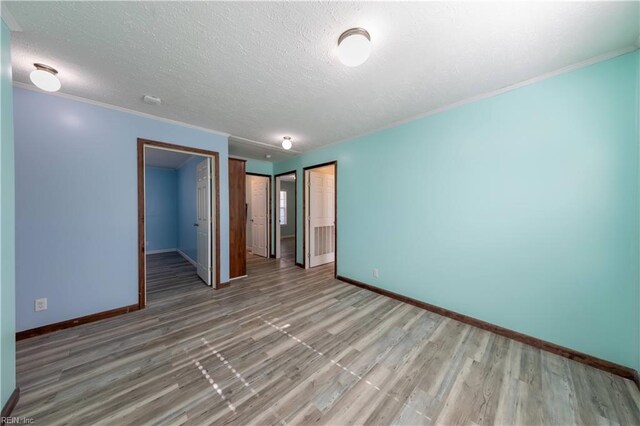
[286, 142]
[354, 47]
[44, 77]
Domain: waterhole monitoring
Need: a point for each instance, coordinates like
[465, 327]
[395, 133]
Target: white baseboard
[162, 251]
[187, 258]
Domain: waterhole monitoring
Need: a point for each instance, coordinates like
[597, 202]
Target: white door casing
[259, 229]
[277, 216]
[204, 221]
[322, 244]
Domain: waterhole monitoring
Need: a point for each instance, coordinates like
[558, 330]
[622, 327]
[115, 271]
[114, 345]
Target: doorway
[258, 206]
[320, 213]
[286, 221]
[178, 217]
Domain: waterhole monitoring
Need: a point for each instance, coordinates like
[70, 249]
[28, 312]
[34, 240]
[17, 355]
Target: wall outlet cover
[41, 304]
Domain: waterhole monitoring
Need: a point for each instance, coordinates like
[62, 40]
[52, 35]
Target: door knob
[195, 224]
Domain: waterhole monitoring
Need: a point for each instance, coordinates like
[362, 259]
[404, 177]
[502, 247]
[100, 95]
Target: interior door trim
[305, 213]
[269, 216]
[295, 215]
[215, 242]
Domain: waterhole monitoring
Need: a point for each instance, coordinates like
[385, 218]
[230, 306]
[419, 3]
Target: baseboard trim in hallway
[20, 335]
[592, 361]
[10, 405]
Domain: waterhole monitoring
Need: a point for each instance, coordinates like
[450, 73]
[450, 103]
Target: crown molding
[8, 18]
[596, 59]
[264, 144]
[120, 109]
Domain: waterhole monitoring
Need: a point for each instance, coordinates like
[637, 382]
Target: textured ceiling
[263, 70]
[165, 158]
[259, 151]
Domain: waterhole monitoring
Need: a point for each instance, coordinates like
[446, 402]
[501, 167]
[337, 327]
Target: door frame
[269, 255]
[215, 241]
[305, 259]
[276, 204]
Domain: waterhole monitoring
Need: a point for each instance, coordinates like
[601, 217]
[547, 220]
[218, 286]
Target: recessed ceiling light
[44, 77]
[267, 156]
[354, 47]
[286, 142]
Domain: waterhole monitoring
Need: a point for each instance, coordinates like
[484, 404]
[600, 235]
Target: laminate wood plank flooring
[287, 249]
[293, 346]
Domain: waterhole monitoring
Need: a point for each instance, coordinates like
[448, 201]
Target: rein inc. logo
[17, 420]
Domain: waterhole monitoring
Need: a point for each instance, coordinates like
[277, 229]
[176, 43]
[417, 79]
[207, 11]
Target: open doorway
[320, 213]
[258, 206]
[285, 225]
[178, 216]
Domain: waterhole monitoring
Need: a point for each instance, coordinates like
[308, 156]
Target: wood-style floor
[291, 346]
[287, 249]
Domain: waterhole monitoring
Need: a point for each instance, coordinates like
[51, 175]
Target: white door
[259, 228]
[322, 244]
[204, 220]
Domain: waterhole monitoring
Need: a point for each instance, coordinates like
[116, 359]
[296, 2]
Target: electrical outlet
[41, 304]
[376, 273]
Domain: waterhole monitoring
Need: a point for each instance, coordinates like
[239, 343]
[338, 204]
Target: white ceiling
[260, 71]
[247, 149]
[165, 158]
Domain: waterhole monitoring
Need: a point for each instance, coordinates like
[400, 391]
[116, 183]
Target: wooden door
[237, 219]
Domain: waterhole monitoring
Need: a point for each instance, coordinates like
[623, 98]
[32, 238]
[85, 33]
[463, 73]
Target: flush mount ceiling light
[354, 47]
[286, 142]
[44, 77]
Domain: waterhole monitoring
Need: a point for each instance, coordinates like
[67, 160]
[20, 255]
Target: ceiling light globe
[286, 143]
[354, 47]
[45, 80]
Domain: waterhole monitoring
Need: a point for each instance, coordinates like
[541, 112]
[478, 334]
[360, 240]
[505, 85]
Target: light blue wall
[187, 234]
[7, 227]
[520, 209]
[76, 204]
[161, 209]
[288, 229]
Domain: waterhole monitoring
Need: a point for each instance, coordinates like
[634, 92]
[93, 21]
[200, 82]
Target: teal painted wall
[259, 167]
[520, 209]
[7, 227]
